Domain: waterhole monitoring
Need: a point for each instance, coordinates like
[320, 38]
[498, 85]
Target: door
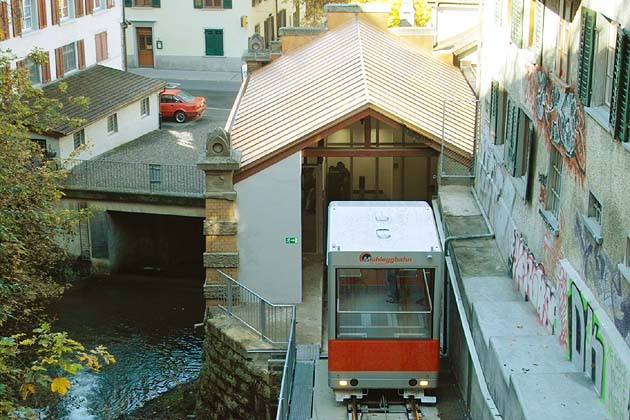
[145, 47]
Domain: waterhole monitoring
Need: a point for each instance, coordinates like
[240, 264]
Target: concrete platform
[488, 289]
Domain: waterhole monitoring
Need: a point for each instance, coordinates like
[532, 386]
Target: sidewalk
[209, 76]
[526, 370]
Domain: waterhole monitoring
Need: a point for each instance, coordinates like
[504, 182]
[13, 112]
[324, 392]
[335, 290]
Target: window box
[593, 228]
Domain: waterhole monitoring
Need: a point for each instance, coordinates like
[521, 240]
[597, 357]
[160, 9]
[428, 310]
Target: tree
[33, 267]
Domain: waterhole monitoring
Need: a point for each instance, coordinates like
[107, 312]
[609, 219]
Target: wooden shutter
[16, 17]
[46, 68]
[89, 7]
[4, 21]
[511, 135]
[81, 53]
[621, 79]
[494, 109]
[101, 46]
[214, 41]
[155, 3]
[54, 12]
[59, 62]
[227, 4]
[516, 26]
[587, 50]
[41, 14]
[539, 18]
[110, 4]
[198, 4]
[78, 8]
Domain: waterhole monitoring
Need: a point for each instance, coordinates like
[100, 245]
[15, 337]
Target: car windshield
[185, 96]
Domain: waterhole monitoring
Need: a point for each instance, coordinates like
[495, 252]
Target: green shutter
[494, 109]
[227, 4]
[155, 3]
[587, 50]
[128, 3]
[498, 12]
[516, 27]
[620, 102]
[214, 42]
[511, 135]
[198, 4]
[539, 17]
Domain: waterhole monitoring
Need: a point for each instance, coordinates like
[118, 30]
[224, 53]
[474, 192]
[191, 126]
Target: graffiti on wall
[559, 118]
[531, 281]
[604, 279]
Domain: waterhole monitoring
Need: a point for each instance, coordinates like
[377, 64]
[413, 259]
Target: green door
[214, 41]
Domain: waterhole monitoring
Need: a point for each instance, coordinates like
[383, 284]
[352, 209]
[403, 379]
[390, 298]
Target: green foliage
[33, 268]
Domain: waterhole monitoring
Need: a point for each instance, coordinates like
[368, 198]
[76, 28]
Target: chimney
[375, 13]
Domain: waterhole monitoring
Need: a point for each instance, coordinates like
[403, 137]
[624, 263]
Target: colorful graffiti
[531, 281]
[560, 118]
[604, 279]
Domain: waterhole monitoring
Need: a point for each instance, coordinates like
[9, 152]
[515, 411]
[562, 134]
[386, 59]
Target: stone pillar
[219, 163]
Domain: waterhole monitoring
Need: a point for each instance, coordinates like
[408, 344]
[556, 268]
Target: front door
[145, 47]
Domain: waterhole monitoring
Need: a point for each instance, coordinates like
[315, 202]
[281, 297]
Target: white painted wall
[72, 30]
[268, 210]
[97, 141]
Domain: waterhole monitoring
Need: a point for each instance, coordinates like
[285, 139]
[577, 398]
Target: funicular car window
[384, 303]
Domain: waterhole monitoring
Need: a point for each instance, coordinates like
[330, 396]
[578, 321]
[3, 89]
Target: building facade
[552, 168]
[216, 34]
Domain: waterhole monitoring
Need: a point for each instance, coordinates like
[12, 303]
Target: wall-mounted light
[243, 21]
[158, 45]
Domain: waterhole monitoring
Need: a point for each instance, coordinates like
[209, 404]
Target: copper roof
[340, 74]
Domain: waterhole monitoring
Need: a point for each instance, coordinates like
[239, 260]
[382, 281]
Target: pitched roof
[106, 89]
[342, 73]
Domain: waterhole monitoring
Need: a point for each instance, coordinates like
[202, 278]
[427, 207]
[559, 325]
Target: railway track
[390, 409]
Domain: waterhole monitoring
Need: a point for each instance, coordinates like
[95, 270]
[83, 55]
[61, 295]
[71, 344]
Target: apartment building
[201, 34]
[552, 172]
[82, 40]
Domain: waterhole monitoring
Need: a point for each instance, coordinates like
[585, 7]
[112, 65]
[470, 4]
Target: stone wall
[235, 384]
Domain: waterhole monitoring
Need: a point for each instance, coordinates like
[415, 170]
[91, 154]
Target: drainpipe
[123, 27]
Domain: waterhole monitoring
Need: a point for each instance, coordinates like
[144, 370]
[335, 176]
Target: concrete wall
[268, 210]
[72, 30]
[131, 125]
[592, 162]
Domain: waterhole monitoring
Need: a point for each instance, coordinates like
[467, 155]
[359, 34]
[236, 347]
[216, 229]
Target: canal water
[147, 323]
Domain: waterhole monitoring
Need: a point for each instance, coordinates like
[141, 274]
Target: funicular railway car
[385, 267]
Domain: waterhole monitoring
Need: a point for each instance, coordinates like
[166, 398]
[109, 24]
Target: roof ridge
[362, 60]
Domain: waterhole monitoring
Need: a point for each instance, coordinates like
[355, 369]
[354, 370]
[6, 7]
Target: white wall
[86, 27]
[130, 126]
[268, 210]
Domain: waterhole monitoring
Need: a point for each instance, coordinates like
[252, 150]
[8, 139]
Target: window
[594, 209]
[29, 15]
[281, 18]
[101, 46]
[378, 303]
[563, 40]
[66, 9]
[144, 107]
[34, 72]
[69, 57]
[554, 183]
[214, 42]
[142, 3]
[41, 143]
[498, 100]
[626, 259]
[98, 4]
[212, 3]
[112, 123]
[519, 137]
[79, 139]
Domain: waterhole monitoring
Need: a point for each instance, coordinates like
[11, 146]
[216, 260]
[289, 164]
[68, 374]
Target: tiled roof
[106, 89]
[342, 73]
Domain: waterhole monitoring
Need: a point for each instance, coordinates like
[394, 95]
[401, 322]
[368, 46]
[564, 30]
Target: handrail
[286, 386]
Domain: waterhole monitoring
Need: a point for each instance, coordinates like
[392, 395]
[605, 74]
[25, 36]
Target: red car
[181, 105]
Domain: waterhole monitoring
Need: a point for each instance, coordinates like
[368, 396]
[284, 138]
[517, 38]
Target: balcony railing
[137, 178]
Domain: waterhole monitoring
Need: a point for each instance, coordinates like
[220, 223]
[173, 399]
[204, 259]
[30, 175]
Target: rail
[274, 323]
[133, 177]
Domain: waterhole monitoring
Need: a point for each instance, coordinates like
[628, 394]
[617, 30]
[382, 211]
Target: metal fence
[288, 373]
[131, 177]
[272, 322]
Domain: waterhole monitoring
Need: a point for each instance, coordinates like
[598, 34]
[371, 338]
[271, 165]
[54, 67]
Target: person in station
[392, 286]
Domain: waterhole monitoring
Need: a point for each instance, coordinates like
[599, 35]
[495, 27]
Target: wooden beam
[371, 152]
[367, 132]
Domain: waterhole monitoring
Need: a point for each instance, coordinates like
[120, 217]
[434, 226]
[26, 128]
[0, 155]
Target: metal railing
[132, 177]
[271, 321]
[288, 373]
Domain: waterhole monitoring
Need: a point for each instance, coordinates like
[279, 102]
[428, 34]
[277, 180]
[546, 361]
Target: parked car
[181, 105]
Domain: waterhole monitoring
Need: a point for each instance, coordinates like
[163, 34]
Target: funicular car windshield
[384, 303]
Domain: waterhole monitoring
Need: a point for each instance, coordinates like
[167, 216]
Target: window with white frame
[69, 57]
[79, 138]
[99, 4]
[563, 40]
[594, 209]
[66, 9]
[29, 15]
[554, 183]
[34, 72]
[112, 123]
[144, 107]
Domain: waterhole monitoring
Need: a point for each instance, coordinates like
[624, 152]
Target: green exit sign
[290, 240]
